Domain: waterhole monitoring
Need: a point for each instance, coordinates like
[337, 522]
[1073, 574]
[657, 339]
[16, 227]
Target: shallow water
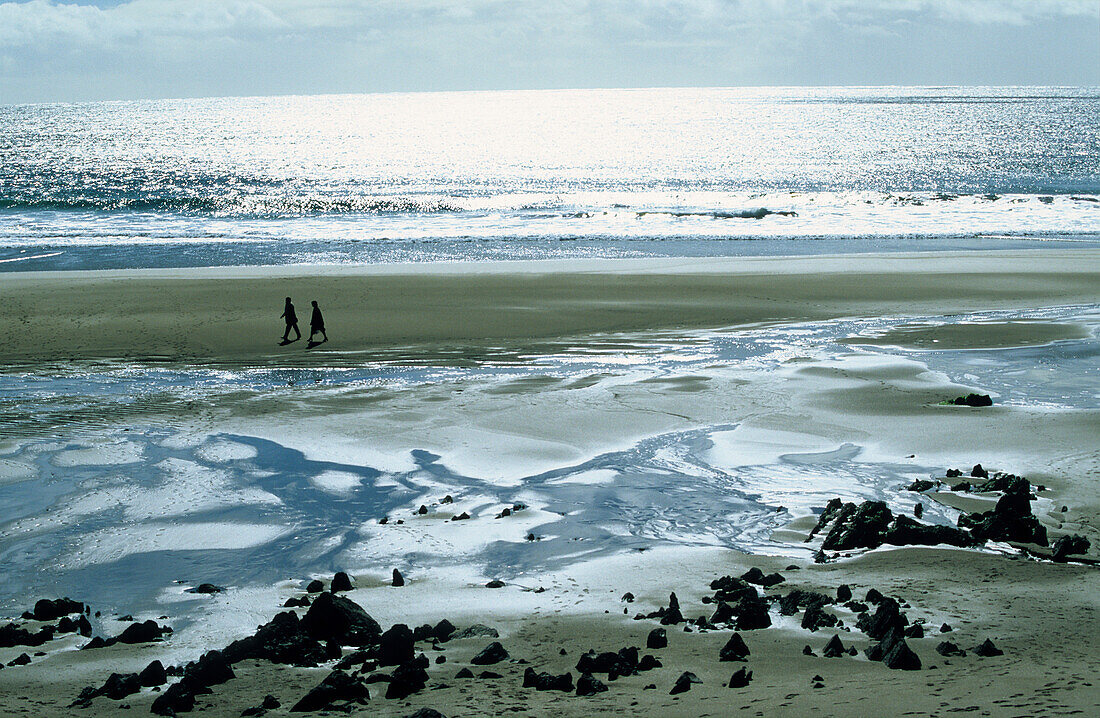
[121, 482]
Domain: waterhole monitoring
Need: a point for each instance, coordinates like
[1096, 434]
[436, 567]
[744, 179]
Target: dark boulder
[283, 639]
[791, 602]
[395, 646]
[873, 596]
[153, 675]
[477, 630]
[834, 648]
[684, 682]
[47, 610]
[315, 586]
[753, 575]
[988, 650]
[887, 616]
[648, 663]
[900, 657]
[904, 531]
[843, 593]
[734, 650]
[206, 588]
[443, 631]
[978, 472]
[1070, 545]
[740, 678]
[974, 400]
[464, 673]
[336, 617]
[921, 485]
[671, 617]
[623, 663]
[178, 698]
[752, 613]
[212, 669]
[489, 675]
[340, 582]
[858, 527]
[493, 653]
[14, 635]
[120, 685]
[587, 685]
[1010, 520]
[337, 688]
[541, 681]
[143, 632]
[947, 648]
[425, 713]
[730, 589]
[408, 678]
[772, 579]
[914, 631]
[817, 617]
[831, 511]
[657, 638]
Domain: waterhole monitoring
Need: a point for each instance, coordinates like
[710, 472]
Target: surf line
[33, 256]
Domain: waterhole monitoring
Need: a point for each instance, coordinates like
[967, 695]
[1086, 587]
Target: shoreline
[232, 315]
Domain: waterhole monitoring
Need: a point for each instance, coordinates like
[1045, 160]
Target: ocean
[546, 174]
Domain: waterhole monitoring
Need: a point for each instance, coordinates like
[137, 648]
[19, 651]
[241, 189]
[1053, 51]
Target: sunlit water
[492, 175]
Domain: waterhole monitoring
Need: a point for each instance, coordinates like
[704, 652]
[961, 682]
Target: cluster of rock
[61, 610]
[972, 400]
[872, 524]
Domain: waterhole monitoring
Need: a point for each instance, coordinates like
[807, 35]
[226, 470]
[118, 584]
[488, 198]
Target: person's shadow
[284, 342]
[312, 344]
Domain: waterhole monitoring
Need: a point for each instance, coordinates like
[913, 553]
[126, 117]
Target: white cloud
[167, 47]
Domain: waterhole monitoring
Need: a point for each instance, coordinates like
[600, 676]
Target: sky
[75, 50]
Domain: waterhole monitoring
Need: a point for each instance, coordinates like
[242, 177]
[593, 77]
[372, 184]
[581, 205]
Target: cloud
[52, 48]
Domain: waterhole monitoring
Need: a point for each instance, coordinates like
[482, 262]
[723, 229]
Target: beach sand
[1043, 615]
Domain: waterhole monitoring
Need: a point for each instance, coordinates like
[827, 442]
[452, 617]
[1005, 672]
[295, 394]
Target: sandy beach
[754, 389]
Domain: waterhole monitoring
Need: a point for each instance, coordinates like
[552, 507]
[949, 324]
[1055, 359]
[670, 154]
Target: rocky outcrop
[337, 691]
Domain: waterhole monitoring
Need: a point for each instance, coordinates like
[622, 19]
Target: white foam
[592, 477]
[118, 542]
[336, 482]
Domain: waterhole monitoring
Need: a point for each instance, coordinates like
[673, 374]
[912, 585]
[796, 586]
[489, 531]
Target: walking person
[291, 318]
[317, 324]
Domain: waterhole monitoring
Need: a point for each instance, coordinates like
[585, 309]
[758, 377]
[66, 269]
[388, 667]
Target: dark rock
[296, 602]
[752, 613]
[772, 579]
[336, 617]
[978, 472]
[962, 486]
[422, 632]
[657, 638]
[422, 510]
[83, 626]
[807, 651]
[408, 678]
[493, 653]
[888, 616]
[495, 583]
[47, 610]
[974, 400]
[1070, 545]
[856, 606]
[206, 588]
[547, 681]
[873, 596]
[1010, 520]
[988, 650]
[904, 531]
[178, 698]
[426, 713]
[120, 685]
[946, 628]
[21, 660]
[921, 485]
[731, 590]
[790, 603]
[900, 657]
[683, 683]
[753, 575]
[398, 579]
[464, 673]
[337, 686]
[734, 650]
[648, 663]
[671, 617]
[817, 617]
[623, 663]
[834, 648]
[440, 659]
[340, 582]
[153, 675]
[461, 517]
[740, 678]
[587, 685]
[395, 646]
[443, 631]
[14, 635]
[858, 527]
[828, 514]
[673, 602]
[96, 642]
[628, 597]
[315, 586]
[489, 675]
[143, 632]
[212, 669]
[843, 593]
[914, 631]
[953, 473]
[283, 639]
[478, 630]
[947, 649]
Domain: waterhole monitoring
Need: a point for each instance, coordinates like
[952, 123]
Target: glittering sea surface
[499, 175]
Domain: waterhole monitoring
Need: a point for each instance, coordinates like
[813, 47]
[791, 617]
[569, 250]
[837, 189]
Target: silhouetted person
[291, 318]
[317, 323]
